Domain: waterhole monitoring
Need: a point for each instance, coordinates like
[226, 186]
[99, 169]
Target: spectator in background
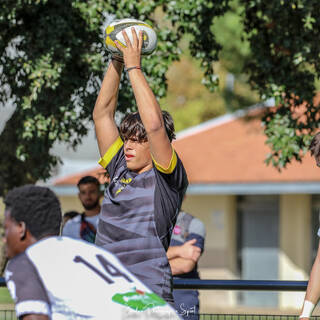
[68, 216]
[84, 225]
[313, 290]
[186, 247]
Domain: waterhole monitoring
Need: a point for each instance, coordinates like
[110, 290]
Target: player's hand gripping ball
[114, 32]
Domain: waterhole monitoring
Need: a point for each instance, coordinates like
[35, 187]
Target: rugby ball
[114, 32]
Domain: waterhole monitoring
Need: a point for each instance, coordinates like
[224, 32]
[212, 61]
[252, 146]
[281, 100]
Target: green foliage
[53, 59]
[44, 49]
[284, 140]
[5, 297]
[195, 105]
[188, 100]
[228, 30]
[194, 18]
[284, 64]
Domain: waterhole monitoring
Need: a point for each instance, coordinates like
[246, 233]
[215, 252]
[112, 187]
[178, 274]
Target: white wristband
[308, 307]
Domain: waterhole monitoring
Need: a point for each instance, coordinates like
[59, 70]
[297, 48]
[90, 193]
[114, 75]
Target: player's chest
[126, 185]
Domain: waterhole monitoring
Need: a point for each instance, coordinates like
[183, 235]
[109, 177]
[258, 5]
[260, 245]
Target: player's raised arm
[106, 103]
[148, 106]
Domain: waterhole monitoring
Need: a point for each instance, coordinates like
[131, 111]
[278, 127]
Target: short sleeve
[72, 228]
[26, 288]
[175, 175]
[197, 231]
[172, 164]
[113, 158]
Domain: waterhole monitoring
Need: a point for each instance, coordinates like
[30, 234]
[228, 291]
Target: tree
[53, 58]
[285, 64]
[196, 104]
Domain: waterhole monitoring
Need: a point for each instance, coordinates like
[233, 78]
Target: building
[261, 222]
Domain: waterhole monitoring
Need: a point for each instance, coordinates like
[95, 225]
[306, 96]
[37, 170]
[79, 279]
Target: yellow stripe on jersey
[111, 152]
[172, 164]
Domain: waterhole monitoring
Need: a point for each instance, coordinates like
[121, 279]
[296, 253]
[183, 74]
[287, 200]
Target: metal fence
[250, 285]
[7, 315]
[10, 315]
[260, 285]
[263, 285]
[248, 317]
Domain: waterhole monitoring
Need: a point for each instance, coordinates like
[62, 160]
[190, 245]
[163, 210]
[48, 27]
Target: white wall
[295, 245]
[218, 213]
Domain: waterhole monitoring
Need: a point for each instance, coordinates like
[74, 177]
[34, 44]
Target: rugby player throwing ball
[147, 178]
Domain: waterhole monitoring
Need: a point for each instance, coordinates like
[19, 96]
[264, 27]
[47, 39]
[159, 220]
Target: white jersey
[66, 278]
[72, 227]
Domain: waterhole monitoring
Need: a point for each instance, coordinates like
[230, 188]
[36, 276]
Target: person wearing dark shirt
[186, 247]
[147, 178]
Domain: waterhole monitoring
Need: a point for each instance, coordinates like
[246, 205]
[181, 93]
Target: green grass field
[5, 296]
[6, 305]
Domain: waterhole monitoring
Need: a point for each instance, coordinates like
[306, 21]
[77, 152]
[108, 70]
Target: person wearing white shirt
[84, 225]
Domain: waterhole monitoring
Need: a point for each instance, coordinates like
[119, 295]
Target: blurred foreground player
[52, 277]
[313, 290]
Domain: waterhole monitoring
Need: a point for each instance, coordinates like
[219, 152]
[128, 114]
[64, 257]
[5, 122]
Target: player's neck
[93, 212]
[144, 169]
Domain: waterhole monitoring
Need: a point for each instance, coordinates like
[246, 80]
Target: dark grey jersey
[138, 215]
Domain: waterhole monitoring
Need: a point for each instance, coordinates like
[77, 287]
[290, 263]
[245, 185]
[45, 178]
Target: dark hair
[70, 214]
[89, 179]
[315, 148]
[131, 126]
[38, 207]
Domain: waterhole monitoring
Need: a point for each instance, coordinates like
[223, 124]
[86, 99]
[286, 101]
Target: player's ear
[23, 230]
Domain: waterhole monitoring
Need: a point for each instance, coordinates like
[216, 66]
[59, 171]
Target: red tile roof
[226, 150]
[73, 179]
[234, 152]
